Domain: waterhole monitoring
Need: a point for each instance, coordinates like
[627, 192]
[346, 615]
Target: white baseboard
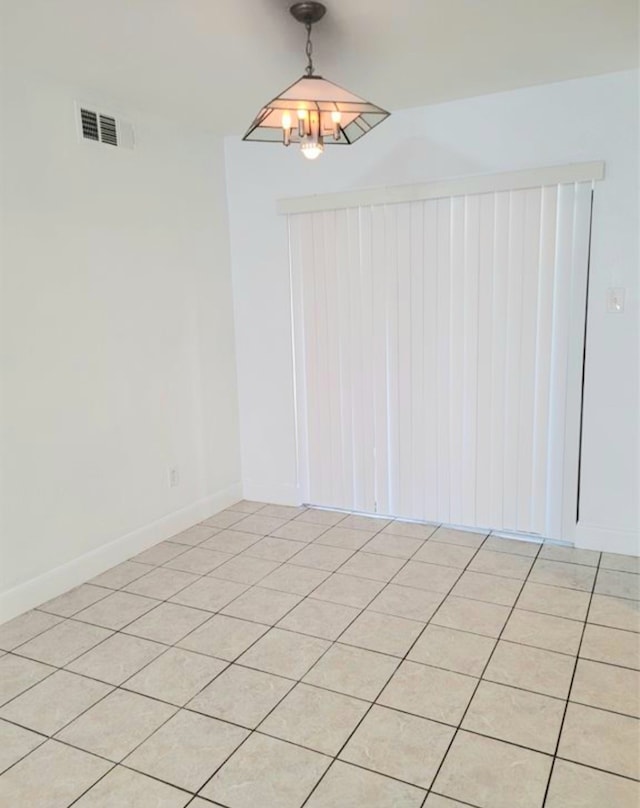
[609, 540]
[274, 494]
[60, 579]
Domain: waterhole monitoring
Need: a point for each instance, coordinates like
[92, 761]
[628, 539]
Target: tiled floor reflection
[276, 657]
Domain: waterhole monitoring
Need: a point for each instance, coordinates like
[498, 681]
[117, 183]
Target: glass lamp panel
[274, 118]
[354, 132]
[265, 134]
[319, 89]
[272, 135]
[316, 94]
[294, 104]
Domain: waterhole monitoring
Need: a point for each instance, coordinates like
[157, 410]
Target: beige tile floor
[276, 657]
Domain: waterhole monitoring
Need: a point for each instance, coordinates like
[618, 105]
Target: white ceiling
[218, 61]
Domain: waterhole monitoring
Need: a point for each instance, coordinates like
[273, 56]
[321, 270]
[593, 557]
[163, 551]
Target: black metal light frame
[328, 98]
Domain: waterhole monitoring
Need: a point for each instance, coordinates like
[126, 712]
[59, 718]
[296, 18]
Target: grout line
[598, 769]
[270, 626]
[38, 634]
[573, 674]
[79, 797]
[360, 609]
[401, 660]
[259, 731]
[331, 645]
[480, 679]
[121, 630]
[152, 568]
[41, 608]
[45, 738]
[462, 802]
[178, 708]
[227, 664]
[62, 620]
[237, 661]
[219, 611]
[190, 794]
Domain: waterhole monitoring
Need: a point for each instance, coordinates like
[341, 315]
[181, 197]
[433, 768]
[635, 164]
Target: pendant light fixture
[314, 112]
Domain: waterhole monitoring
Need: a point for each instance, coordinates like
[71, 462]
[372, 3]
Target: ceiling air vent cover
[106, 129]
[89, 122]
[108, 132]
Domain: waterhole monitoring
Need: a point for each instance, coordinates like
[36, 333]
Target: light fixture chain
[309, 50]
[314, 113]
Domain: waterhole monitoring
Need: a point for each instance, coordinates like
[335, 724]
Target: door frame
[462, 186]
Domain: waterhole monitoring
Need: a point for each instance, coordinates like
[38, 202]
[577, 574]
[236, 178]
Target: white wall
[587, 119]
[117, 341]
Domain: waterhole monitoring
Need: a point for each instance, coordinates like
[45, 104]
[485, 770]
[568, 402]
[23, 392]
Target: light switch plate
[615, 300]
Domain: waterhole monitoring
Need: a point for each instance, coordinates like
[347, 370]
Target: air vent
[108, 130]
[103, 128]
[89, 122]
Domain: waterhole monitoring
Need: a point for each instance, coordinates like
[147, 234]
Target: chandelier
[314, 112]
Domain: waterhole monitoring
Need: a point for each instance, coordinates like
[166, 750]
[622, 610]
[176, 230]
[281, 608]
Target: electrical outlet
[174, 476]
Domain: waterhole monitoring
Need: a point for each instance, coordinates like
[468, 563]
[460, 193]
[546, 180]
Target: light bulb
[302, 122]
[312, 152]
[286, 127]
[336, 117]
[312, 147]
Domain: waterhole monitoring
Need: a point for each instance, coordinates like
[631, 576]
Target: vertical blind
[439, 356]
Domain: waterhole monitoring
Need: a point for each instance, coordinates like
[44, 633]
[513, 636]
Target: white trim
[60, 579]
[583, 213]
[460, 186]
[607, 539]
[531, 538]
[273, 493]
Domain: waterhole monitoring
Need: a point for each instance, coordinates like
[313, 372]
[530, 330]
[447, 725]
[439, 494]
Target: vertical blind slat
[544, 330]
[456, 356]
[470, 361]
[366, 413]
[485, 359]
[380, 385]
[443, 275]
[344, 473]
[499, 354]
[417, 483]
[528, 369]
[559, 355]
[430, 364]
[404, 319]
